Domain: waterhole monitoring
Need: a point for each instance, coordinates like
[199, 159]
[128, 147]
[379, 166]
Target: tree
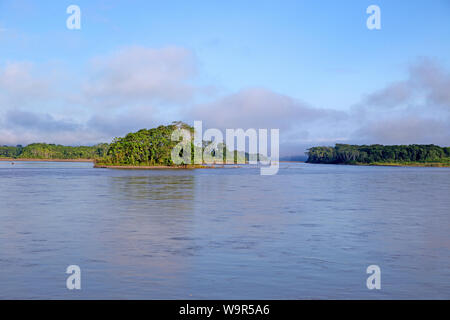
[348, 154]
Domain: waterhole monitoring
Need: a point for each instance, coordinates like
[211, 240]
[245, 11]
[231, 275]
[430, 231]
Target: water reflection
[150, 235]
[154, 187]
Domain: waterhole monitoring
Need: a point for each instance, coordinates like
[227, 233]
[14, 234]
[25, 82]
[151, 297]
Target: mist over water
[308, 232]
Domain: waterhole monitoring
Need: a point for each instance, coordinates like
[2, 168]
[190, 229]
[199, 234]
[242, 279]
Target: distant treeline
[53, 151]
[146, 147]
[354, 154]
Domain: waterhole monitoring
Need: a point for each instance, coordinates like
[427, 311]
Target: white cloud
[415, 110]
[260, 108]
[428, 82]
[141, 74]
[409, 129]
[19, 85]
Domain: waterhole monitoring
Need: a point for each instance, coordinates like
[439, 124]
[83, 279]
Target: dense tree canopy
[10, 152]
[353, 154]
[146, 147]
[153, 147]
[53, 151]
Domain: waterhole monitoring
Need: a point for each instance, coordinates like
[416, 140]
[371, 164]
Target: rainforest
[146, 147]
[416, 155]
[46, 151]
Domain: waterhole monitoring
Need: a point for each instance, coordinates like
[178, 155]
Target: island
[391, 155]
[53, 152]
[152, 149]
[144, 149]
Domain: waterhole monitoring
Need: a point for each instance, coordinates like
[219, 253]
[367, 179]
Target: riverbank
[409, 164]
[46, 160]
[187, 167]
[393, 164]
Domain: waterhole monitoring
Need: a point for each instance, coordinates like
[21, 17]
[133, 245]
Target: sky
[309, 68]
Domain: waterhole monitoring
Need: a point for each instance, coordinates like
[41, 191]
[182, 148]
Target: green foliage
[353, 154]
[10, 152]
[53, 151]
[153, 147]
[145, 147]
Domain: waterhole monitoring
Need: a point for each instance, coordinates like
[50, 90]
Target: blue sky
[317, 54]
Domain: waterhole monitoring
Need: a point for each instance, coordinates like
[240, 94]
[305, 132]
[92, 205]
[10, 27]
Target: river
[309, 232]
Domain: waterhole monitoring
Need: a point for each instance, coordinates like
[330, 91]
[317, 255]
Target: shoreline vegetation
[378, 155]
[405, 164]
[53, 152]
[44, 160]
[152, 149]
[174, 167]
[144, 149]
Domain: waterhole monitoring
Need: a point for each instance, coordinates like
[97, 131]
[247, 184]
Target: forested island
[153, 148]
[146, 148]
[44, 151]
[407, 155]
